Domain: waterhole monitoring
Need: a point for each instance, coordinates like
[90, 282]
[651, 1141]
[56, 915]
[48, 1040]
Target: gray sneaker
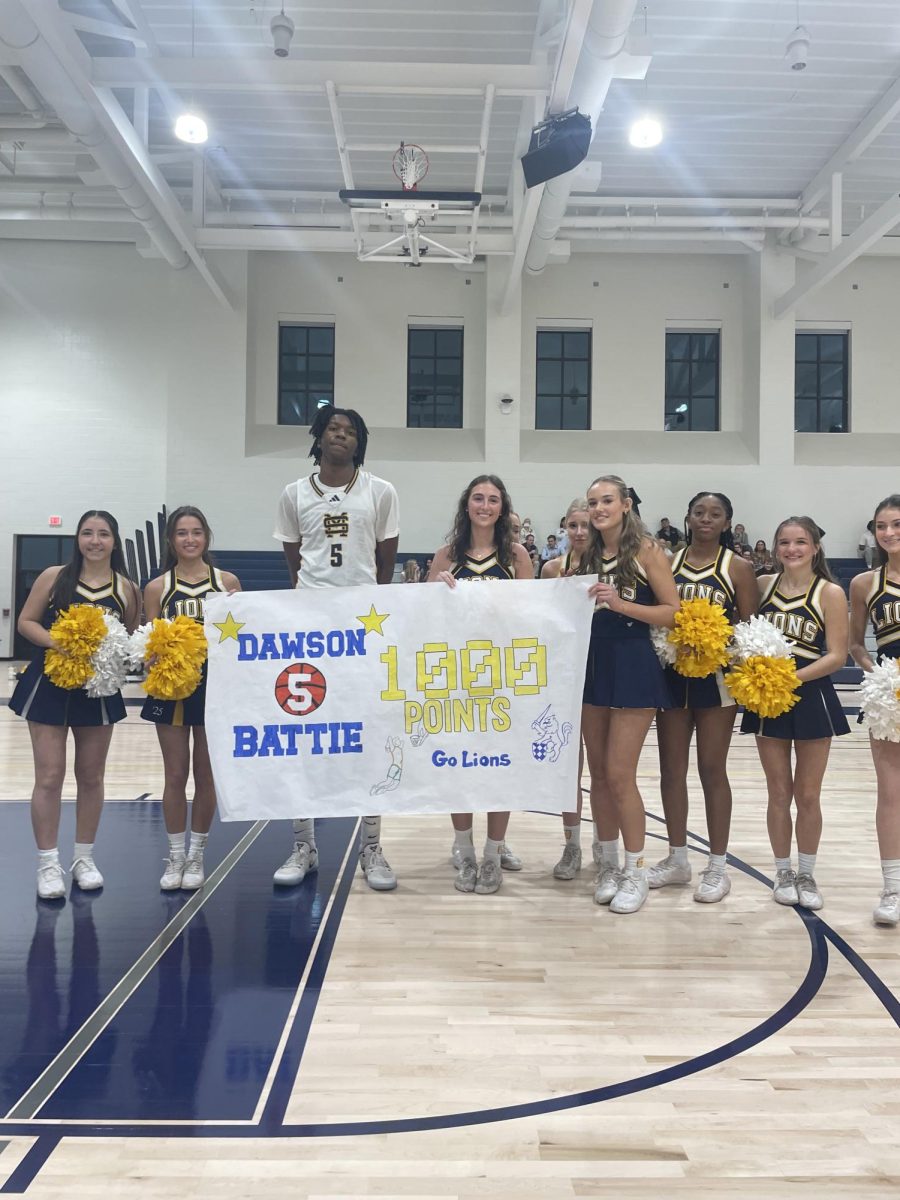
[570, 863]
[668, 871]
[376, 869]
[301, 860]
[490, 876]
[467, 876]
[808, 892]
[785, 890]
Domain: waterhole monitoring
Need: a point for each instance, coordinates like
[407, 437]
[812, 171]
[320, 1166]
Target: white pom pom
[881, 707]
[665, 651]
[759, 637]
[138, 649]
[110, 661]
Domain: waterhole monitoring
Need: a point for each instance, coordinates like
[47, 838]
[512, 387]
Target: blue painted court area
[196, 1037]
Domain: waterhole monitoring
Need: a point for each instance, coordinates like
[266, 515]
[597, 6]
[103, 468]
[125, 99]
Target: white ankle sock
[783, 864]
[806, 864]
[47, 857]
[679, 853]
[890, 868]
[176, 845]
[609, 853]
[198, 844]
[716, 862]
[83, 850]
[573, 834]
[462, 838]
[634, 862]
[305, 831]
[492, 849]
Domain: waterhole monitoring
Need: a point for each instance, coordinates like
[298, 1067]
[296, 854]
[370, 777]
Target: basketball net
[410, 165]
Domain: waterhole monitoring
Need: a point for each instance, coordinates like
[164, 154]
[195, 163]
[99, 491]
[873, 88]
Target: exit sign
[54, 521]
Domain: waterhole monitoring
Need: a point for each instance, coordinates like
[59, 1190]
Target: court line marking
[30, 1102]
[27, 1169]
[301, 986]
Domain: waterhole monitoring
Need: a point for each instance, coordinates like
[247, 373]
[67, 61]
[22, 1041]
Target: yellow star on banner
[229, 628]
[373, 621]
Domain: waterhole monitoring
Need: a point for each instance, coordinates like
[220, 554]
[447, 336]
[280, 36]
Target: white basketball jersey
[337, 528]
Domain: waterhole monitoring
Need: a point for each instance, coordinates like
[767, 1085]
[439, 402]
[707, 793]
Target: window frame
[435, 327]
[691, 331]
[282, 389]
[563, 329]
[819, 332]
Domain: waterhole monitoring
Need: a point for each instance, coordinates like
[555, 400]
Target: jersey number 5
[337, 557]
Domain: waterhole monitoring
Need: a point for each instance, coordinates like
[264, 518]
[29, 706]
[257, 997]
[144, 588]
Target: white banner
[328, 702]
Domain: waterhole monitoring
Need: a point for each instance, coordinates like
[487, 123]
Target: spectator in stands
[527, 528]
[532, 550]
[550, 550]
[866, 547]
[763, 562]
[423, 574]
[562, 537]
[410, 572]
[740, 537]
[667, 534]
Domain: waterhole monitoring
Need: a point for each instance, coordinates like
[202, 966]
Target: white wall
[125, 385]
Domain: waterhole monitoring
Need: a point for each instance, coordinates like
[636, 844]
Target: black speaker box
[557, 146]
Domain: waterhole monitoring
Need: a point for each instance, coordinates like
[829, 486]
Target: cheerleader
[95, 575]
[577, 527]
[481, 548]
[875, 596]
[706, 567]
[804, 602]
[188, 576]
[624, 684]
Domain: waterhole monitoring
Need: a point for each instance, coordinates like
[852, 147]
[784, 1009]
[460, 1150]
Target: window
[434, 374]
[305, 372]
[692, 379]
[563, 379]
[822, 382]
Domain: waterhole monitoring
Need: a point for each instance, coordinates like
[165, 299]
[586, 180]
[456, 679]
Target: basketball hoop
[410, 165]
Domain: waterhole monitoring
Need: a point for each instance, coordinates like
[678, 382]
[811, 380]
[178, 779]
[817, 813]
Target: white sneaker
[508, 860]
[376, 869]
[490, 876]
[194, 876]
[714, 885]
[887, 911]
[668, 871]
[606, 884]
[171, 876]
[86, 875]
[785, 890]
[633, 891]
[570, 863]
[467, 876]
[51, 882]
[302, 859]
[808, 893]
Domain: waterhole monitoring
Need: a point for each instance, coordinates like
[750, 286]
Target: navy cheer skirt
[817, 714]
[39, 700]
[622, 668]
[708, 692]
[191, 711]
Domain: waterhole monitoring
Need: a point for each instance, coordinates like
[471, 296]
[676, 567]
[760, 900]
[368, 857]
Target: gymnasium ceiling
[747, 140]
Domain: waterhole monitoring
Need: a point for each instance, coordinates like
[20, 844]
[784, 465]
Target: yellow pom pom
[765, 686]
[178, 650]
[701, 636]
[77, 634]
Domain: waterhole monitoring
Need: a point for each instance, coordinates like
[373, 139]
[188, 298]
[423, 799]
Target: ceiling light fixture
[189, 126]
[282, 28]
[645, 133]
[796, 50]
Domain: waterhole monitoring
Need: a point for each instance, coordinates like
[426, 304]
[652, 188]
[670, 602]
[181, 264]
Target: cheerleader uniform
[883, 607]
[482, 569]
[39, 700]
[181, 599]
[818, 712]
[711, 582]
[622, 668]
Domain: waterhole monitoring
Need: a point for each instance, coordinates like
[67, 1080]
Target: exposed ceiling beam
[336, 240]
[109, 115]
[862, 239]
[875, 121]
[251, 74]
[107, 29]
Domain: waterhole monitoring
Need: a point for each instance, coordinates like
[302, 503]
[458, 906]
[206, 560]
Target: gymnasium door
[34, 552]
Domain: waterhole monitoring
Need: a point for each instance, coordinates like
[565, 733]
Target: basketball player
[188, 577]
[346, 523]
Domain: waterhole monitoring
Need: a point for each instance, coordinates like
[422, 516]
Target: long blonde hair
[631, 539]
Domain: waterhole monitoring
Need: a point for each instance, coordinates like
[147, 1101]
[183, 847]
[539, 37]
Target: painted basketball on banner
[300, 689]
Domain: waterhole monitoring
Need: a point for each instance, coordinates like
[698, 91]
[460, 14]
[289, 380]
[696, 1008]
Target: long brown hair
[820, 562]
[892, 501]
[62, 594]
[459, 539]
[170, 558]
[631, 539]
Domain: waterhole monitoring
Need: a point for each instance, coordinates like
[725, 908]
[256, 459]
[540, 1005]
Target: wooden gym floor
[328, 1041]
